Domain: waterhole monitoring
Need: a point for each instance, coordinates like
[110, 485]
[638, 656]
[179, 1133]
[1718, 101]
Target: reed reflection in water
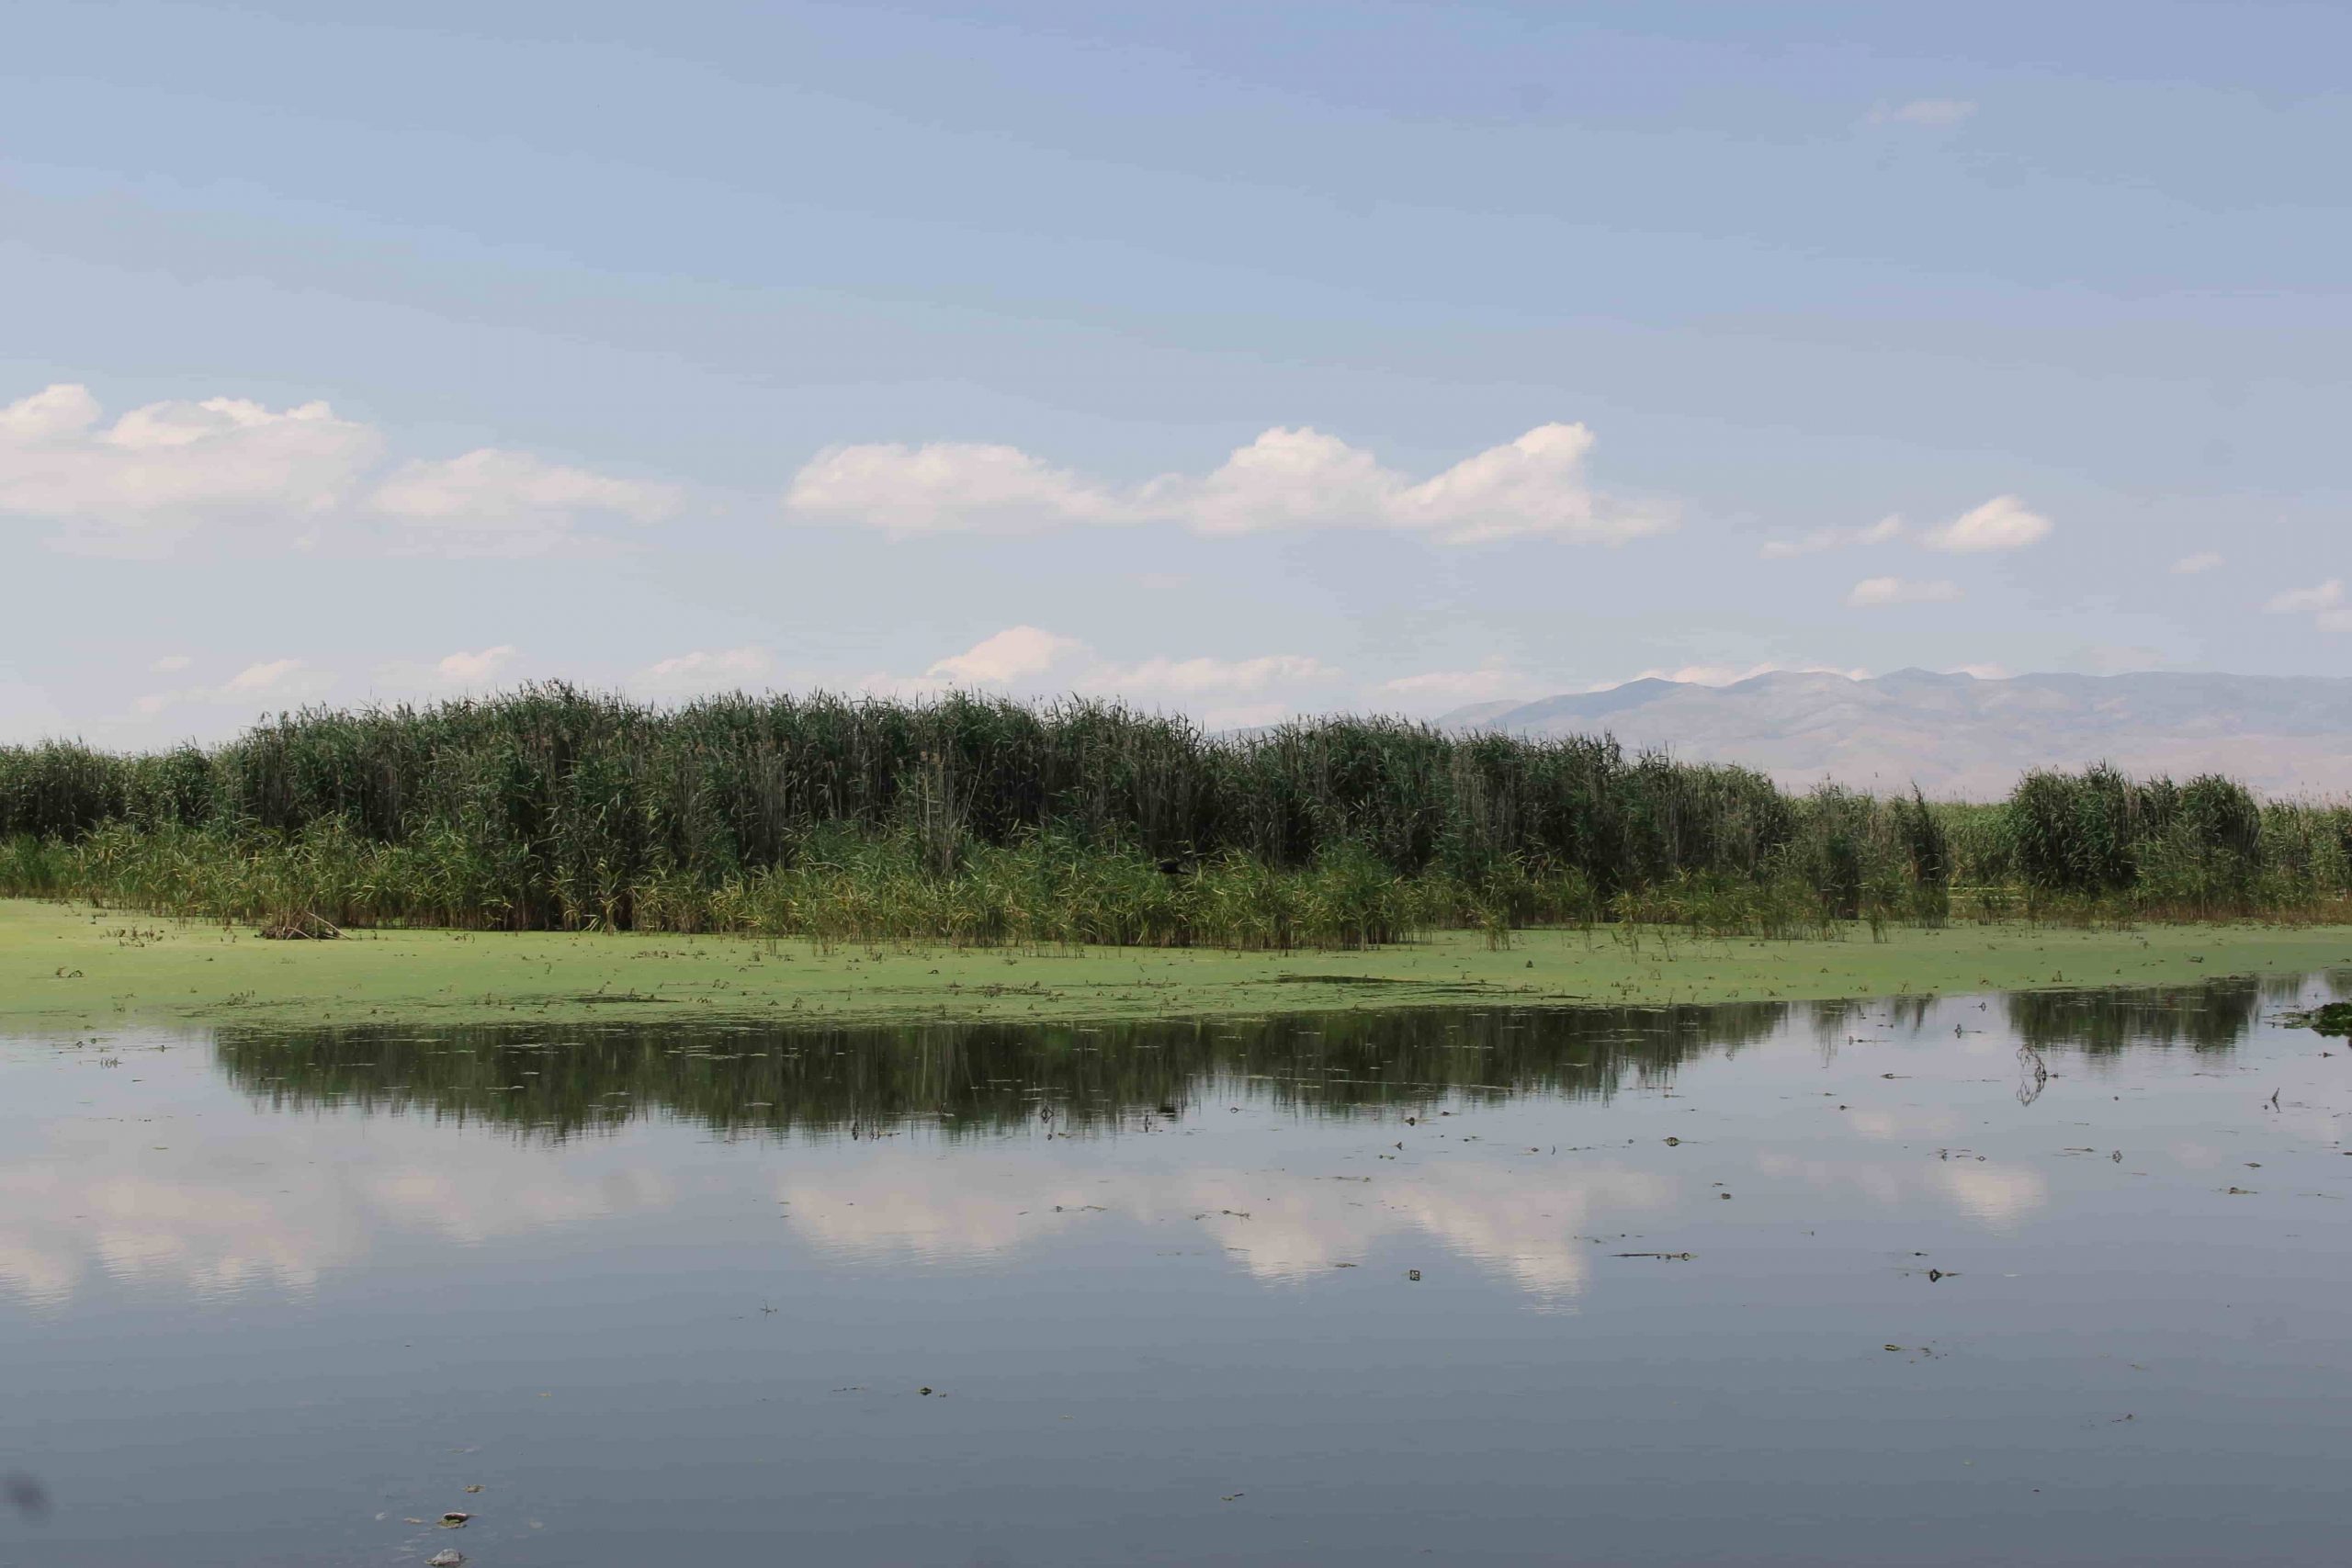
[969, 1079]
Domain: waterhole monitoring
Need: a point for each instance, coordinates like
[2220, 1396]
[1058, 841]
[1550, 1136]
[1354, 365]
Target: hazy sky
[1248, 359]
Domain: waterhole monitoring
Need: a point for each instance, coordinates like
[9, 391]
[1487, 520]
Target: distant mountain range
[1962, 738]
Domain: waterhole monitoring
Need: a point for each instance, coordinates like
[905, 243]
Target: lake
[2048, 1278]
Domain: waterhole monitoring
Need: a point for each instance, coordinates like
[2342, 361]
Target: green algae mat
[71, 966]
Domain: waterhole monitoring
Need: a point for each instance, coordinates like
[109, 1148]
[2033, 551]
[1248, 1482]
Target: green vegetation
[68, 970]
[986, 823]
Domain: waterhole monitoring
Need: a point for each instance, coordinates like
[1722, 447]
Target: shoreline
[71, 967]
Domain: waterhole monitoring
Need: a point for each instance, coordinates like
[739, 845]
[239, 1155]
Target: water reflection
[1448, 1266]
[2213, 1016]
[964, 1081]
[972, 1079]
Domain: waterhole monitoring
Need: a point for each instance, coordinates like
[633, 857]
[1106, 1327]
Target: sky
[1247, 361]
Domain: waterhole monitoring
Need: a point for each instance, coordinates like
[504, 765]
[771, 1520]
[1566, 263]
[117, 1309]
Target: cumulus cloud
[270, 684]
[171, 664]
[1287, 478]
[1016, 653]
[2189, 566]
[1488, 683]
[276, 675]
[494, 501]
[463, 669]
[1923, 111]
[1189, 677]
[2001, 524]
[2324, 603]
[945, 487]
[704, 669]
[1819, 540]
[160, 469]
[2305, 601]
[1031, 660]
[1873, 592]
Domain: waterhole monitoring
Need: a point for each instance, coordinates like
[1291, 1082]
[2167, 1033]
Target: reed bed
[981, 822]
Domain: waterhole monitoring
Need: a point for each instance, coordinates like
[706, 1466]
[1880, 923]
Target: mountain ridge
[1967, 737]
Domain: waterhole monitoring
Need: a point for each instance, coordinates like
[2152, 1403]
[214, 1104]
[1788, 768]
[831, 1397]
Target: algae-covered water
[71, 967]
[2048, 1278]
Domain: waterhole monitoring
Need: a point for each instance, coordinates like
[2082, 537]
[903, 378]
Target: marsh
[2040, 1277]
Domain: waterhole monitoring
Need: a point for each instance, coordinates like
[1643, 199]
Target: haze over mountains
[1960, 737]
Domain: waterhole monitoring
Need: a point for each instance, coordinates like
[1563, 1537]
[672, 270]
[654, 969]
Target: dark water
[673, 1296]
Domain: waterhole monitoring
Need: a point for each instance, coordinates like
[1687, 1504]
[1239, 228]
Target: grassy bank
[72, 968]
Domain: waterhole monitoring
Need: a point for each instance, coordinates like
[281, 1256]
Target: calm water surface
[2024, 1279]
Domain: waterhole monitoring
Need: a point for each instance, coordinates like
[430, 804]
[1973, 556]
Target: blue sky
[1250, 360]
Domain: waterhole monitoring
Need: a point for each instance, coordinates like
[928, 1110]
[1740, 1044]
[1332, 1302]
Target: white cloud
[1819, 540]
[2306, 601]
[463, 669]
[945, 487]
[704, 670]
[1014, 654]
[58, 412]
[1181, 678]
[171, 664]
[271, 683]
[1982, 671]
[1488, 683]
[1535, 485]
[1924, 111]
[2001, 524]
[133, 487]
[1285, 478]
[1030, 660]
[2189, 566]
[2324, 603]
[1872, 591]
[162, 470]
[277, 676]
[489, 502]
